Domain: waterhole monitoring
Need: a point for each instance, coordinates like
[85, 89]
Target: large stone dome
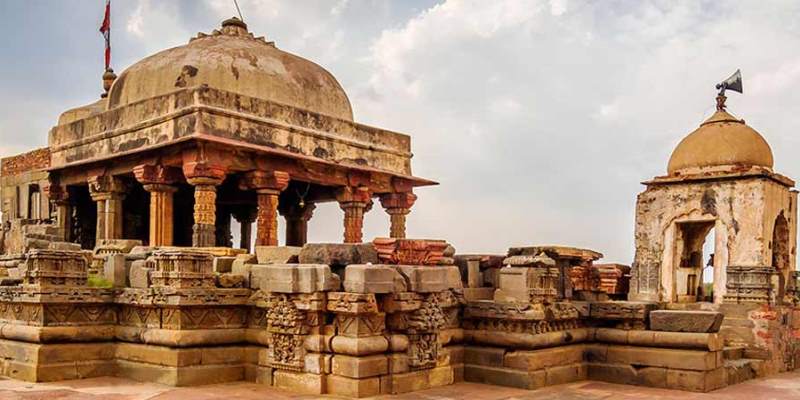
[231, 59]
[720, 141]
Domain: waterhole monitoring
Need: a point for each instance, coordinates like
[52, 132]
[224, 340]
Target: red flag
[105, 29]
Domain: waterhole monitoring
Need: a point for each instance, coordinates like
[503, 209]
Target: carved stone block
[55, 268]
[299, 278]
[182, 269]
[424, 279]
[410, 251]
[686, 321]
[372, 279]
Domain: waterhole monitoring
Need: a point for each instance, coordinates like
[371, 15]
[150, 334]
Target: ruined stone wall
[742, 210]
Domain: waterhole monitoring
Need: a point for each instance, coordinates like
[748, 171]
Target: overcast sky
[539, 118]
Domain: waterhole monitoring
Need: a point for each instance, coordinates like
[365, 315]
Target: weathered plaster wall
[205, 112]
[743, 212]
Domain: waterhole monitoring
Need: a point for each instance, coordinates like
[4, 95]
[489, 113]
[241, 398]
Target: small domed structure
[232, 59]
[720, 141]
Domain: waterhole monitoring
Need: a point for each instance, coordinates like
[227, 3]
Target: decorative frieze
[55, 268]
[182, 269]
[410, 251]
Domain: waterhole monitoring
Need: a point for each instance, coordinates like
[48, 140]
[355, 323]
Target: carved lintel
[156, 175]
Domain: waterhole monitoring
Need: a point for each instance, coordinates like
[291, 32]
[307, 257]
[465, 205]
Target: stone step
[741, 370]
[733, 352]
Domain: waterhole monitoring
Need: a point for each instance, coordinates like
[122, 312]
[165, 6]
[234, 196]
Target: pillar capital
[403, 200]
[202, 173]
[398, 205]
[56, 193]
[156, 176]
[351, 194]
[103, 187]
[269, 182]
[296, 212]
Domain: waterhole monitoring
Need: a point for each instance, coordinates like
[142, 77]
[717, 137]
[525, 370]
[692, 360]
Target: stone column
[205, 178]
[398, 206]
[59, 197]
[157, 180]
[108, 192]
[224, 238]
[268, 186]
[297, 218]
[354, 201]
[245, 216]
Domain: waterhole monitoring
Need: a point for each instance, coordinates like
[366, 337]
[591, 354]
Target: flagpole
[236, 3]
[105, 29]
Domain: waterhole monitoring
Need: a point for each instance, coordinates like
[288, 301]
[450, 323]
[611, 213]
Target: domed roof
[721, 140]
[231, 59]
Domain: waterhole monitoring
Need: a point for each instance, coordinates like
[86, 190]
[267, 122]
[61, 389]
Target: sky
[539, 118]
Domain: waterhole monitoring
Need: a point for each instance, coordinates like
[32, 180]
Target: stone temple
[118, 256]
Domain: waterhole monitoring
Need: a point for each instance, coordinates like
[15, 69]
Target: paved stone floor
[780, 387]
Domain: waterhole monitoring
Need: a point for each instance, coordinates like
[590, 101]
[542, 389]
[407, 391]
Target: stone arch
[780, 243]
[781, 253]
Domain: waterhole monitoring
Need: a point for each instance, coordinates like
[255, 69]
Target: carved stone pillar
[59, 197]
[108, 192]
[355, 202]
[157, 179]
[205, 178]
[398, 206]
[268, 186]
[297, 218]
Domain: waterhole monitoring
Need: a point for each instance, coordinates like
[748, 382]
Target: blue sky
[539, 118]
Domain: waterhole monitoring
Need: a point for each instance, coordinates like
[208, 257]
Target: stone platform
[780, 387]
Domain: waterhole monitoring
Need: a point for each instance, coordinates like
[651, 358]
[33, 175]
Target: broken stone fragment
[424, 279]
[139, 275]
[277, 254]
[65, 246]
[338, 254]
[229, 281]
[223, 264]
[410, 251]
[686, 321]
[541, 260]
[115, 270]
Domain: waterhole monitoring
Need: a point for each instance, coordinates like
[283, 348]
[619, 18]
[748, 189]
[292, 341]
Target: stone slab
[336, 254]
[298, 278]
[686, 321]
[277, 254]
[369, 278]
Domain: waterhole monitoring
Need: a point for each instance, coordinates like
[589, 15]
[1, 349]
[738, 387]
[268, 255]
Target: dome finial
[108, 78]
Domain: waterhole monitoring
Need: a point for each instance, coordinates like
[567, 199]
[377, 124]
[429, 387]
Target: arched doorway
[781, 254]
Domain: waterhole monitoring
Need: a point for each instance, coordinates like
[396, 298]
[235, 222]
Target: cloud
[136, 20]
